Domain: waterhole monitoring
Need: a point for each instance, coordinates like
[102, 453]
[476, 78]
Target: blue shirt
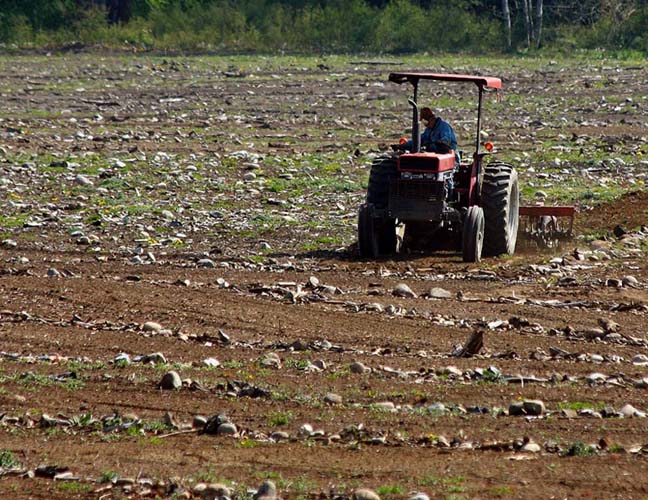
[434, 139]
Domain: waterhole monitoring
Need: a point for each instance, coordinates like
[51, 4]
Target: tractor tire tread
[383, 171]
[498, 186]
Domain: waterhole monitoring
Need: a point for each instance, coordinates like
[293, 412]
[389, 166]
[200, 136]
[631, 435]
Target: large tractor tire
[383, 170]
[500, 199]
[377, 235]
[473, 234]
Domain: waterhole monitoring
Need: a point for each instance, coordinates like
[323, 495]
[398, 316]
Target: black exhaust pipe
[416, 135]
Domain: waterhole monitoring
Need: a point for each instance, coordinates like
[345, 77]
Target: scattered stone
[212, 491]
[365, 494]
[171, 380]
[640, 360]
[305, 430]
[437, 408]
[357, 367]
[594, 378]
[419, 496]
[473, 345]
[227, 429]
[123, 358]
[608, 325]
[629, 411]
[214, 422]
[439, 293]
[402, 290]
[568, 413]
[271, 360]
[333, 399]
[451, 371]
[152, 326]
[198, 422]
[155, 358]
[211, 362]
[206, 263]
[9, 244]
[533, 407]
[82, 180]
[279, 436]
[385, 405]
[531, 447]
[266, 491]
[629, 281]
[442, 442]
[53, 273]
[527, 407]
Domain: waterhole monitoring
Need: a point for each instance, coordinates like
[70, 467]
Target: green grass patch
[8, 460]
[74, 487]
[580, 449]
[390, 490]
[581, 405]
[279, 418]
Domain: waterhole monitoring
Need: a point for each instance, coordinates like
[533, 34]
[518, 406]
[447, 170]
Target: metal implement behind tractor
[473, 206]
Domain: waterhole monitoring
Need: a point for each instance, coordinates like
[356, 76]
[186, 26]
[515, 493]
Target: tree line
[320, 26]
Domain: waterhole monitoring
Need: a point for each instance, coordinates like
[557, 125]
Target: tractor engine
[422, 186]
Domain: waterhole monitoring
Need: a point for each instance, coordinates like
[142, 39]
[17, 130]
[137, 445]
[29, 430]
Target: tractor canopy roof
[481, 81]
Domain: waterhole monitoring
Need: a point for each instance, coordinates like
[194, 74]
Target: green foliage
[396, 26]
[580, 449]
[390, 489]
[279, 418]
[75, 487]
[108, 476]
[8, 460]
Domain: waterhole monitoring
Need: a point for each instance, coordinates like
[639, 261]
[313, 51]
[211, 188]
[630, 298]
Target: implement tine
[542, 224]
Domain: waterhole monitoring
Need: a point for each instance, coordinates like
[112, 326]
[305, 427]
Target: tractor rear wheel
[376, 235]
[500, 199]
[473, 234]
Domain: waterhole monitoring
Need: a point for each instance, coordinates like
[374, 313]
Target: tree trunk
[507, 22]
[527, 21]
[538, 23]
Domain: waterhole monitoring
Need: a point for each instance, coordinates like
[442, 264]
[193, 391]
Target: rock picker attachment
[547, 225]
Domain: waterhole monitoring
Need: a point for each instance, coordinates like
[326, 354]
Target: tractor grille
[417, 189]
[416, 199]
[418, 164]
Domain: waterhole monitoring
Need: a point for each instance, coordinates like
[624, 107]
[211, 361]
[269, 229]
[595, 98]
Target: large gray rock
[267, 491]
[365, 494]
[333, 399]
[171, 380]
[212, 491]
[402, 290]
[151, 326]
[533, 407]
[227, 429]
[357, 367]
[439, 293]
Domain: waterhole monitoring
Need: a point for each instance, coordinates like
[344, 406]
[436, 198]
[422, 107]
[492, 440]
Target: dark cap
[427, 113]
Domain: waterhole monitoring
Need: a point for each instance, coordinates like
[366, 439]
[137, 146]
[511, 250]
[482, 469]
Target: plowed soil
[305, 296]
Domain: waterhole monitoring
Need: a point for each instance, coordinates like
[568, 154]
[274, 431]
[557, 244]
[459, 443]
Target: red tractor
[474, 206]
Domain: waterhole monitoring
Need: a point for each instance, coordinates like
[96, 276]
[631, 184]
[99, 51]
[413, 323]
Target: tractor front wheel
[376, 235]
[500, 199]
[473, 234]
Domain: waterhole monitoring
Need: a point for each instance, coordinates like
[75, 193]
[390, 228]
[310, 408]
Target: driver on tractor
[438, 136]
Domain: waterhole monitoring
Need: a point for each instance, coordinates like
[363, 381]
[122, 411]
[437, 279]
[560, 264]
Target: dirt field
[197, 215]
